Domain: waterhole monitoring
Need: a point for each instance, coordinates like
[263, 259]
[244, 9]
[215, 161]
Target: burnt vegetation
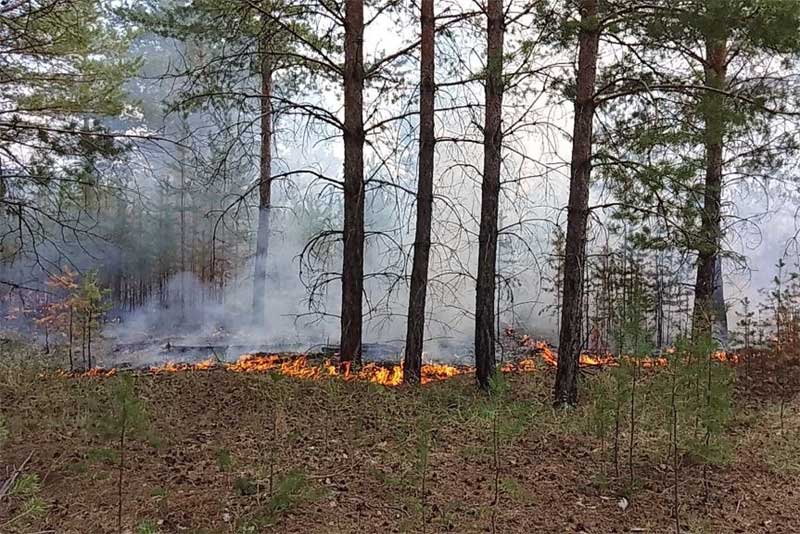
[367, 266]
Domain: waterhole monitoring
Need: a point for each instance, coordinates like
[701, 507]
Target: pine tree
[128, 418]
[412, 364]
[58, 87]
[354, 137]
[246, 63]
[694, 107]
[490, 196]
[570, 339]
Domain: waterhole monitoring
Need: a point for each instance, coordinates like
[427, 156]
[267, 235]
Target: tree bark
[415, 332]
[490, 196]
[353, 232]
[569, 345]
[264, 184]
[708, 314]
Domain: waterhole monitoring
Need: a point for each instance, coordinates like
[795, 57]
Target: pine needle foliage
[127, 418]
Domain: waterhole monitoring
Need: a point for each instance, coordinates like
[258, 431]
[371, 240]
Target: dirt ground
[225, 452]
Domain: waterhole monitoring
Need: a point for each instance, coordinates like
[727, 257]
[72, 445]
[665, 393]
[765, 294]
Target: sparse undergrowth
[238, 453]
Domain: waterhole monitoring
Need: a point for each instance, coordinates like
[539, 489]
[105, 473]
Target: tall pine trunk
[182, 220]
[353, 232]
[183, 240]
[718, 300]
[415, 333]
[569, 345]
[264, 184]
[709, 312]
[490, 196]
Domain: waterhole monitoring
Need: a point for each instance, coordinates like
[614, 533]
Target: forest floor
[225, 452]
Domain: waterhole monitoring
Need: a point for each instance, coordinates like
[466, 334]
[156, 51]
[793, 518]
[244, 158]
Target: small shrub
[102, 455]
[127, 418]
[291, 490]
[147, 527]
[4, 432]
[34, 507]
[26, 485]
[782, 455]
[158, 493]
[602, 412]
[26, 488]
[245, 486]
[224, 460]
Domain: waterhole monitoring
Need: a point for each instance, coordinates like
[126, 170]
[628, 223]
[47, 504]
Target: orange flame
[299, 366]
[725, 357]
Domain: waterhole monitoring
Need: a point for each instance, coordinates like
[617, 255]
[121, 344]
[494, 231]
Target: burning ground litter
[314, 366]
[342, 456]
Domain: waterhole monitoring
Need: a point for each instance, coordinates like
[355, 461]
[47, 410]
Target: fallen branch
[9, 483]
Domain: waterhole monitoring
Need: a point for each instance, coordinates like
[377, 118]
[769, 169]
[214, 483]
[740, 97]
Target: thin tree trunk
[353, 246]
[490, 196]
[71, 359]
[121, 472]
[587, 292]
[707, 314]
[83, 345]
[632, 437]
[89, 339]
[569, 345]
[675, 496]
[659, 311]
[617, 417]
[183, 240]
[415, 333]
[264, 185]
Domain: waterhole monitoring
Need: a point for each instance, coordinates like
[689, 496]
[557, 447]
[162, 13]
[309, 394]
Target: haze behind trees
[361, 147]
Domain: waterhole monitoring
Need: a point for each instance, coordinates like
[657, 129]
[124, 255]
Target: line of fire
[385, 266]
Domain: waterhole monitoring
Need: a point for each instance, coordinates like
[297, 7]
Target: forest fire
[302, 367]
